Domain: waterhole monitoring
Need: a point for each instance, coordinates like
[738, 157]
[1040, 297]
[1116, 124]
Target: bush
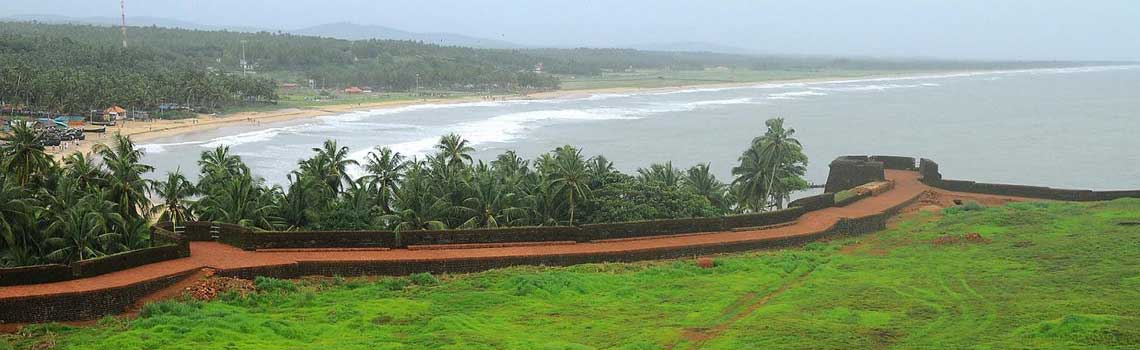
[965, 207]
[424, 279]
[270, 285]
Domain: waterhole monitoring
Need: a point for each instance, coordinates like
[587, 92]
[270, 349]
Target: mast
[123, 26]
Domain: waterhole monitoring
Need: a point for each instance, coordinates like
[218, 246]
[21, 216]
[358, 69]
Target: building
[353, 90]
[289, 86]
[115, 113]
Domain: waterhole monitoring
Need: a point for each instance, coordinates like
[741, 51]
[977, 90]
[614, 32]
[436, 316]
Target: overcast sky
[985, 29]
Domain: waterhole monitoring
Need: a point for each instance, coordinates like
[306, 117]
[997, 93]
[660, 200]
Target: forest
[73, 69]
[101, 203]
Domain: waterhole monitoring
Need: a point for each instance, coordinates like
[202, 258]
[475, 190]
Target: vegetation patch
[1054, 275]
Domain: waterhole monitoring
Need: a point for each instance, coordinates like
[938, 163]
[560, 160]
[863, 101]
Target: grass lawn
[1057, 275]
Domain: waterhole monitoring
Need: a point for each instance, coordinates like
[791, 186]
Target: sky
[966, 29]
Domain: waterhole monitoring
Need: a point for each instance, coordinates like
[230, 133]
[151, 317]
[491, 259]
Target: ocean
[1068, 128]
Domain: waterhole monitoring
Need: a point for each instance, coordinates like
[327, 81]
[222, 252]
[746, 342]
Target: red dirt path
[223, 257]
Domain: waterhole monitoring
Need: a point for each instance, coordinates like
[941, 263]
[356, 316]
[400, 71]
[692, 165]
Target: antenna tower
[123, 25]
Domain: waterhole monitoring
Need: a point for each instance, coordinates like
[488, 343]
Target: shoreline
[143, 131]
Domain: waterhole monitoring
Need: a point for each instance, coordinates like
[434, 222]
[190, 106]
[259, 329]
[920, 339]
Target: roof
[115, 110]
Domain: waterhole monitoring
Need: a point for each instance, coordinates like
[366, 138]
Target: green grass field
[1050, 276]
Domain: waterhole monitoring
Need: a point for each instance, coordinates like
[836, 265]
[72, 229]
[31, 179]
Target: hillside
[1026, 275]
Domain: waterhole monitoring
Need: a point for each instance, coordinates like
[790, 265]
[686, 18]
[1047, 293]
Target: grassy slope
[1054, 276]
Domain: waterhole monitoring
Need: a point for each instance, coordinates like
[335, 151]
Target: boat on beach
[95, 130]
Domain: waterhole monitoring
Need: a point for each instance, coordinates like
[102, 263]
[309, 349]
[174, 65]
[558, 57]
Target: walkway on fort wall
[227, 258]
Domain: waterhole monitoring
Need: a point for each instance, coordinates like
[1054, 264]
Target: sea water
[1070, 127]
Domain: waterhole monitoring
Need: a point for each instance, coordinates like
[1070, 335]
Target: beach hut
[353, 90]
[115, 112]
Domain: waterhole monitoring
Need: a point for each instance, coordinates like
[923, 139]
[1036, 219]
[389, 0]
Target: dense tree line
[90, 205]
[97, 204]
[63, 75]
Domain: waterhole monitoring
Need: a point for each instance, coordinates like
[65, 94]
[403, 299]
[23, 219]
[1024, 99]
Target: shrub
[424, 279]
[965, 207]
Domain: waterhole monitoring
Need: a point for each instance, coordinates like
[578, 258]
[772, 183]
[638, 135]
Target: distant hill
[134, 21]
[693, 46]
[343, 30]
[351, 31]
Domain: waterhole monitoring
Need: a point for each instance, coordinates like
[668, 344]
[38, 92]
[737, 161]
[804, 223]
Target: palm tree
[82, 168]
[175, 192]
[490, 204]
[666, 174]
[385, 170]
[331, 164]
[296, 208]
[782, 152]
[702, 182]
[86, 230]
[217, 165]
[242, 201]
[455, 150]
[16, 217]
[600, 170]
[570, 176]
[22, 155]
[775, 155]
[750, 181]
[127, 187]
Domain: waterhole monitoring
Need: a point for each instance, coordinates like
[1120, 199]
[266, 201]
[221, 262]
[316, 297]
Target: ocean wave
[873, 87]
[250, 137]
[795, 95]
[156, 148]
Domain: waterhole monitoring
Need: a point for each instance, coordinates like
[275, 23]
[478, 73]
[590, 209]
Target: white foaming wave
[250, 137]
[874, 87]
[507, 127]
[156, 148]
[599, 97]
[795, 95]
[361, 115]
[726, 88]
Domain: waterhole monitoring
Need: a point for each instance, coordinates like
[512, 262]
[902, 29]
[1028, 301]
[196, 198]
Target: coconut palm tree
[84, 169]
[416, 205]
[491, 202]
[86, 230]
[569, 176]
[242, 201]
[666, 174]
[330, 164]
[296, 208]
[784, 155]
[17, 216]
[217, 165]
[127, 187]
[600, 170]
[455, 150]
[174, 192]
[385, 170]
[702, 182]
[769, 168]
[22, 155]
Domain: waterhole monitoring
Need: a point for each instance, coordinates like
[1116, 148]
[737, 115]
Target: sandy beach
[143, 131]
